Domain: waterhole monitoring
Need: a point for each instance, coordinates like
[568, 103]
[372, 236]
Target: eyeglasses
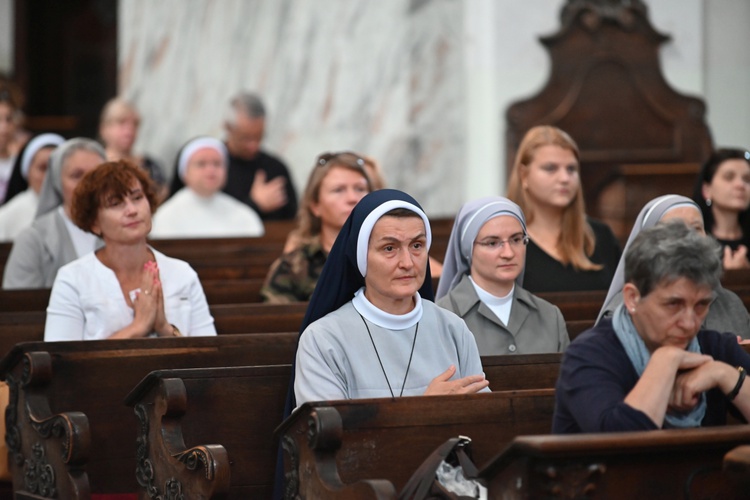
[498, 244]
[345, 157]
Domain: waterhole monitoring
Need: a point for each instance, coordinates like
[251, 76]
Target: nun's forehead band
[363, 238]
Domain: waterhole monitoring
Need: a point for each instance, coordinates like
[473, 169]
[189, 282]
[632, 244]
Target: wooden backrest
[28, 326]
[245, 258]
[653, 464]
[79, 388]
[331, 447]
[522, 372]
[232, 291]
[203, 404]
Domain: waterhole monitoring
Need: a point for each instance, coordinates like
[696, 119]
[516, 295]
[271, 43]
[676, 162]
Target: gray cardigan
[534, 326]
[38, 252]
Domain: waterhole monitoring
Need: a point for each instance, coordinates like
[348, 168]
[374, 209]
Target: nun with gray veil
[482, 282]
[727, 312]
[53, 240]
[22, 197]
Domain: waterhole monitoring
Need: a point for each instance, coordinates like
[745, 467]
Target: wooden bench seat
[67, 408]
[199, 412]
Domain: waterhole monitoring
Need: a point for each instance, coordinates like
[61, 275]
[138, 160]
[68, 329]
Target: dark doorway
[65, 62]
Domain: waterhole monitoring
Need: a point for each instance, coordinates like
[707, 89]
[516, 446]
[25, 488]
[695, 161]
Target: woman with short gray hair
[651, 365]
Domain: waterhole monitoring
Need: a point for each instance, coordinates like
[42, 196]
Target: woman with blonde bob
[336, 184]
[567, 250]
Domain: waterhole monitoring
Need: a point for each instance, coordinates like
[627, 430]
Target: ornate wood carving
[12, 430]
[159, 433]
[38, 474]
[144, 470]
[172, 490]
[57, 426]
[44, 448]
[291, 476]
[325, 429]
[196, 457]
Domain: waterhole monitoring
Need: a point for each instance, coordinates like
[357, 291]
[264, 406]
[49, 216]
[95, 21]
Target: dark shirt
[596, 375]
[154, 171]
[544, 273]
[293, 276]
[735, 244]
[241, 175]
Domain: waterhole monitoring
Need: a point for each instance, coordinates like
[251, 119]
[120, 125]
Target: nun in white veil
[727, 312]
[482, 282]
[200, 209]
[25, 184]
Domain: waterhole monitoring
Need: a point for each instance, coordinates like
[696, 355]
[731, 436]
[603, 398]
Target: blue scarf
[639, 356]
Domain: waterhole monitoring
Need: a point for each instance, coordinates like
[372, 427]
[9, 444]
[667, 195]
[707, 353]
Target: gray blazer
[38, 252]
[534, 326]
[726, 314]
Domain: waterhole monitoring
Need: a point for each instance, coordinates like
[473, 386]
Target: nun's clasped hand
[442, 384]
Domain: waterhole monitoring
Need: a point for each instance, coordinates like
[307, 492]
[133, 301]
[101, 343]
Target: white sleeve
[201, 321]
[317, 377]
[65, 318]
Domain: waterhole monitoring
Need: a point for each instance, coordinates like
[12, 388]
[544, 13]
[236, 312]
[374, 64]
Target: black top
[544, 273]
[241, 175]
[734, 244]
[154, 170]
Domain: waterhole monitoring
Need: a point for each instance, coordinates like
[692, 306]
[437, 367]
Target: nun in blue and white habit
[727, 312]
[482, 282]
[351, 348]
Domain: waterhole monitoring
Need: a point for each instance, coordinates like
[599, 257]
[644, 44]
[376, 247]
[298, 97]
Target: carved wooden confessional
[607, 90]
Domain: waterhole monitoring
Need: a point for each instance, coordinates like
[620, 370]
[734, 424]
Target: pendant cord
[408, 366]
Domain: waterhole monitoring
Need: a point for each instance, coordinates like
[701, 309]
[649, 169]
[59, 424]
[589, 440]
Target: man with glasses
[255, 177]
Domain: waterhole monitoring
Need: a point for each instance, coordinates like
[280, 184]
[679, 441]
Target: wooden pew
[217, 292]
[244, 258]
[682, 463]
[198, 412]
[332, 448]
[208, 432]
[66, 408]
[28, 326]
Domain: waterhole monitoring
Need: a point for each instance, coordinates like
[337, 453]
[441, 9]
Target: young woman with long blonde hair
[567, 250]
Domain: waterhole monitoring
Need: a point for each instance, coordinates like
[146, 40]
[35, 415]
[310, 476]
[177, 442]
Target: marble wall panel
[383, 78]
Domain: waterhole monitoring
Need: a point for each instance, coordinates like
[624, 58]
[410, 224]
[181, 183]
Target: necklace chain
[408, 366]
